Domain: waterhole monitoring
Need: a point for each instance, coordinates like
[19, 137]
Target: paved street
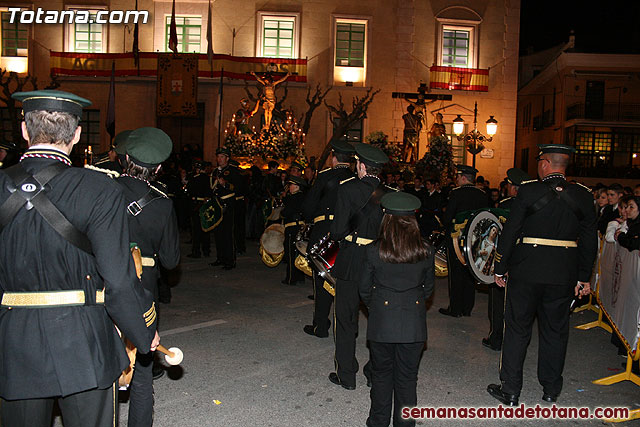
[241, 333]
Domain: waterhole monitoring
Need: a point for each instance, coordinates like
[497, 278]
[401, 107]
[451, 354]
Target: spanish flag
[454, 78]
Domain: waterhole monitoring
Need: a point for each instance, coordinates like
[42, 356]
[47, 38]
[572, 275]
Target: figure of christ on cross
[269, 94]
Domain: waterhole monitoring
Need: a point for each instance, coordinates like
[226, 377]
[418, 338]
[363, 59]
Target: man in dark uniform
[356, 225]
[154, 228]
[223, 184]
[547, 248]
[515, 177]
[64, 285]
[241, 188]
[8, 152]
[199, 190]
[114, 159]
[465, 197]
[293, 219]
[319, 207]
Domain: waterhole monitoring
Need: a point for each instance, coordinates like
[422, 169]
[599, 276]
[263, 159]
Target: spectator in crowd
[631, 238]
[636, 190]
[611, 211]
[601, 200]
[618, 224]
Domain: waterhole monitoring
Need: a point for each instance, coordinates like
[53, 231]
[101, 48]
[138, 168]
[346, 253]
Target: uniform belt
[47, 299]
[361, 241]
[293, 223]
[549, 242]
[148, 261]
[322, 218]
[199, 199]
[240, 198]
[227, 196]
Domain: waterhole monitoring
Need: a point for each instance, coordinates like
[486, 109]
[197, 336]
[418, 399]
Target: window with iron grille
[457, 147]
[15, 37]
[350, 44]
[455, 47]
[278, 37]
[88, 37]
[189, 30]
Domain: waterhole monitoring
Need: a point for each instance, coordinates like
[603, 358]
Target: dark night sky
[610, 26]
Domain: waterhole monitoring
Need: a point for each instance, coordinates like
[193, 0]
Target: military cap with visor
[300, 182]
[516, 176]
[466, 170]
[400, 203]
[297, 164]
[51, 100]
[371, 155]
[223, 150]
[8, 146]
[342, 147]
[120, 142]
[555, 149]
[149, 146]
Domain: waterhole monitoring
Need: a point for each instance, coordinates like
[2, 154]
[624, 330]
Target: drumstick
[173, 355]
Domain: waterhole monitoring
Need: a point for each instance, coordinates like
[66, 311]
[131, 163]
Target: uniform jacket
[199, 186]
[321, 199]
[548, 264]
[355, 215]
[154, 229]
[395, 295]
[467, 197]
[58, 351]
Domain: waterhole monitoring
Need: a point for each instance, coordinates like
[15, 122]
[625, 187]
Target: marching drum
[436, 240]
[323, 255]
[478, 242]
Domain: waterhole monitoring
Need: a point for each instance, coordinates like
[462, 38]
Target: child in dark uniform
[398, 277]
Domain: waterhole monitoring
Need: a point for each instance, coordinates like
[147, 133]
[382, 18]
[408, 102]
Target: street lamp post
[474, 140]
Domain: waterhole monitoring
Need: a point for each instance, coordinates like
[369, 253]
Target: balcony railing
[616, 112]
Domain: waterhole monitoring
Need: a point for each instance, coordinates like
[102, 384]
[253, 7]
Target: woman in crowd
[398, 277]
[601, 200]
[618, 224]
[631, 238]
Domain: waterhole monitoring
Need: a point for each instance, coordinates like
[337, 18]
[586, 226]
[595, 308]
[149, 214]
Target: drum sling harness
[134, 208]
[554, 193]
[29, 191]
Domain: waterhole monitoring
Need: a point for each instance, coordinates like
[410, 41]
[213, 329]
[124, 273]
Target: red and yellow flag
[454, 78]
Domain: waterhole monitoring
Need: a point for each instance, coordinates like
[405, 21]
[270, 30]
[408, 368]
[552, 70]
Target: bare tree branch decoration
[11, 84]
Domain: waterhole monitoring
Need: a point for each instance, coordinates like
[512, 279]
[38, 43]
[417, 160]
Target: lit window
[189, 30]
[87, 37]
[457, 147]
[278, 35]
[15, 37]
[457, 45]
[350, 44]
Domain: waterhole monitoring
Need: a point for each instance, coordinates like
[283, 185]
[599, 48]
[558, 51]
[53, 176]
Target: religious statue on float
[269, 93]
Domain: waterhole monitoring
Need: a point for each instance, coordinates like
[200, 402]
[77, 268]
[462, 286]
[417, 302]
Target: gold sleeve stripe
[150, 321]
[151, 310]
[347, 180]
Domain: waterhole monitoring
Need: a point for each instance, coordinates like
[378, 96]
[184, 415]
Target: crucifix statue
[269, 93]
[414, 119]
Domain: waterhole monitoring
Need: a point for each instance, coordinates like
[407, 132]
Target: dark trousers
[462, 286]
[394, 378]
[496, 315]
[141, 392]
[550, 303]
[346, 328]
[322, 301]
[225, 243]
[200, 240]
[87, 408]
[240, 226]
[290, 254]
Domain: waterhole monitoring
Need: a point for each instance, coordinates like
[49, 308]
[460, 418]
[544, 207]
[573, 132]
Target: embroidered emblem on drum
[28, 188]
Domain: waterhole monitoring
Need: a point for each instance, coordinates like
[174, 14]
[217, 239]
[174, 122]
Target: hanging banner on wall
[177, 87]
[454, 78]
[235, 67]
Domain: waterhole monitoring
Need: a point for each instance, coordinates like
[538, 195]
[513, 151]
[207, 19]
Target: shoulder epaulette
[112, 174]
[391, 188]
[455, 188]
[506, 198]
[529, 181]
[347, 180]
[585, 187]
[159, 188]
[324, 170]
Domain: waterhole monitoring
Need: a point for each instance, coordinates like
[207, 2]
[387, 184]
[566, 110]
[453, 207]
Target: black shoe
[487, 343]
[215, 263]
[367, 375]
[495, 390]
[448, 312]
[229, 267]
[333, 377]
[467, 314]
[310, 297]
[548, 397]
[157, 371]
[311, 330]
[193, 256]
